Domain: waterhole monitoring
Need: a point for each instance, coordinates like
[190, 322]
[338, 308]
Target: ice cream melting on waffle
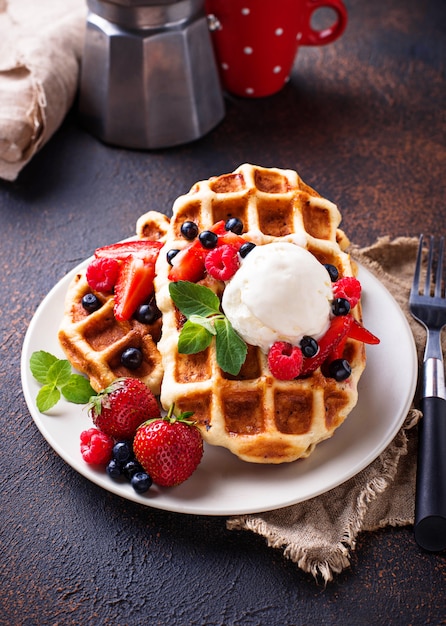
[261, 336]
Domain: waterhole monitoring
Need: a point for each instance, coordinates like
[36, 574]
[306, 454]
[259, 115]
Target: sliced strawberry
[231, 239]
[338, 350]
[219, 228]
[188, 264]
[134, 286]
[357, 331]
[337, 330]
[141, 248]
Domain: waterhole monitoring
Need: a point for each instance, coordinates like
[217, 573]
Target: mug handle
[312, 37]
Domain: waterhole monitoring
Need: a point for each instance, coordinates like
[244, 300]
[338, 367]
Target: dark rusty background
[363, 122]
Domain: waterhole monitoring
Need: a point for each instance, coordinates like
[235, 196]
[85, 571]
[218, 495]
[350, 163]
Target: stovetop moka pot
[149, 77]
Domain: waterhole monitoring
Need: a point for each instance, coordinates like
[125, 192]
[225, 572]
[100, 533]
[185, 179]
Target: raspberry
[285, 360]
[222, 262]
[96, 447]
[348, 288]
[102, 274]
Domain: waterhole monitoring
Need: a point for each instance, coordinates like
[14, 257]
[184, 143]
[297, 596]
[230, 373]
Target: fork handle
[430, 502]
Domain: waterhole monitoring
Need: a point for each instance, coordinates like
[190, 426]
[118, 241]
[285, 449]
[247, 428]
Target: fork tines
[434, 284]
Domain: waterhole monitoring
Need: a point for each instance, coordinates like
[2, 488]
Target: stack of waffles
[258, 417]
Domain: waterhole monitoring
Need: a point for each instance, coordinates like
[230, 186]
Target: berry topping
[169, 449]
[309, 346]
[96, 446]
[189, 230]
[358, 332]
[284, 360]
[134, 280]
[333, 272]
[208, 239]
[337, 330]
[339, 369]
[340, 306]
[235, 225]
[349, 288]
[148, 313]
[122, 407]
[188, 264]
[134, 286]
[102, 274]
[141, 248]
[246, 248]
[170, 254]
[132, 358]
[91, 302]
[222, 262]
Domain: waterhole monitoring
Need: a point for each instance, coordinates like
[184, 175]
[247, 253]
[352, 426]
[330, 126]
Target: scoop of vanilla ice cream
[280, 293]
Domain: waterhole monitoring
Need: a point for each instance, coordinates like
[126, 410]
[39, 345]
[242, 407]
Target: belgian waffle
[259, 418]
[94, 342]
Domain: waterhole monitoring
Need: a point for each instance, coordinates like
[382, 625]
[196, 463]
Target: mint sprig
[201, 306]
[56, 377]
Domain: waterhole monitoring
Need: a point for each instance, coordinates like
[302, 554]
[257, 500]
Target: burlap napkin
[320, 534]
[40, 52]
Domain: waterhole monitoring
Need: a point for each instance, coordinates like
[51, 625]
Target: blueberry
[122, 451]
[141, 482]
[333, 272]
[148, 313]
[309, 346]
[113, 469]
[189, 230]
[234, 225]
[246, 248]
[131, 358]
[340, 306]
[131, 468]
[208, 239]
[91, 303]
[170, 254]
[339, 369]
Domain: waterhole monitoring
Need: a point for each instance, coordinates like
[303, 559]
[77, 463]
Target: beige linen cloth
[320, 534]
[40, 51]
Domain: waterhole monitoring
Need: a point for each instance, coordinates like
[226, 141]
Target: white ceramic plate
[223, 484]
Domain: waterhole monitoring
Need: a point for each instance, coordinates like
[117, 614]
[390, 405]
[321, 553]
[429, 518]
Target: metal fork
[428, 306]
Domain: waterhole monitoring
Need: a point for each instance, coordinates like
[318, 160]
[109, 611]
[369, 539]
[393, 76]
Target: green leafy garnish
[57, 380]
[201, 306]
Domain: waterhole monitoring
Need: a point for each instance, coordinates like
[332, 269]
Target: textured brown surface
[363, 122]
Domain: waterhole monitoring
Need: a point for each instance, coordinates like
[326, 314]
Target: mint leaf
[39, 363]
[47, 397]
[59, 373]
[193, 299]
[77, 389]
[193, 338]
[230, 347]
[206, 322]
[199, 303]
[56, 377]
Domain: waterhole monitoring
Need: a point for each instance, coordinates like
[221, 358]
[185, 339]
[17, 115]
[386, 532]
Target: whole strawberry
[119, 409]
[169, 449]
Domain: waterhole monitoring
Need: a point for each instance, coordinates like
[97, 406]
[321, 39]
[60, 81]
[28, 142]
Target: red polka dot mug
[256, 41]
